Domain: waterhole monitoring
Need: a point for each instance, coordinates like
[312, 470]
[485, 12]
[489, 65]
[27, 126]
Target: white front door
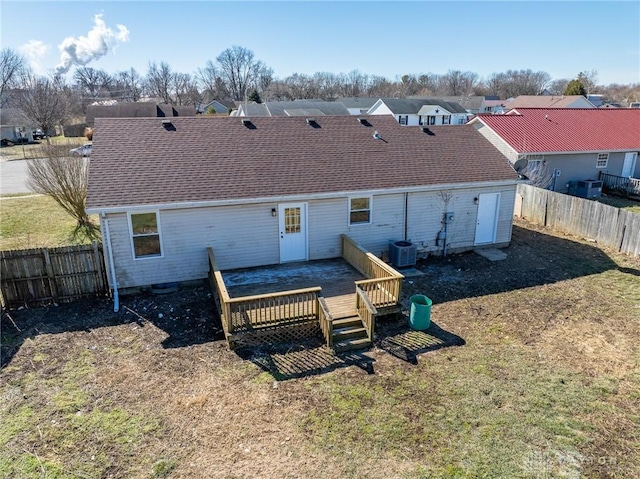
[292, 219]
[487, 221]
[629, 164]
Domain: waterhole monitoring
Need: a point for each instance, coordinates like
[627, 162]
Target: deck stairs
[349, 334]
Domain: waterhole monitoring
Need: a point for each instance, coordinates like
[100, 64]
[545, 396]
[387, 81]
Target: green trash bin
[420, 314]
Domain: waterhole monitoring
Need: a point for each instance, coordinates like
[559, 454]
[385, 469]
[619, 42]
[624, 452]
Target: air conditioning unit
[402, 254]
[588, 189]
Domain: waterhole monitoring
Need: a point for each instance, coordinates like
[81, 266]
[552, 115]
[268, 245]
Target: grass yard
[619, 202]
[531, 369]
[28, 221]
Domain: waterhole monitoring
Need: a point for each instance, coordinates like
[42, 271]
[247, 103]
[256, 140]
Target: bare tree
[128, 85]
[159, 81]
[63, 177]
[456, 82]
[13, 68]
[211, 82]
[589, 80]
[240, 70]
[93, 83]
[44, 102]
[557, 87]
[185, 89]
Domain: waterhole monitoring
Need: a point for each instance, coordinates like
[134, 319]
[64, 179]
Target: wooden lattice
[277, 334]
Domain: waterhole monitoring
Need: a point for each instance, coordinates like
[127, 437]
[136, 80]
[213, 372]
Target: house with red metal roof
[270, 190]
[567, 145]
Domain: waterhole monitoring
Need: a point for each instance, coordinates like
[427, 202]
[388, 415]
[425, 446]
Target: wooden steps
[349, 334]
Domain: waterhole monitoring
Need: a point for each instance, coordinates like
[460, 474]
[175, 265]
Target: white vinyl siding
[146, 240]
[248, 235]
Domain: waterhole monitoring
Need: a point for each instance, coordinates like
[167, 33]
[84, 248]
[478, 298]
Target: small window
[431, 120]
[359, 210]
[145, 235]
[603, 159]
[446, 119]
[462, 121]
[403, 119]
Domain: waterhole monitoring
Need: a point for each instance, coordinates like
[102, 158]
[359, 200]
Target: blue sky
[375, 37]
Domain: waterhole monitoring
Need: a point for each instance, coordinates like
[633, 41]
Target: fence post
[99, 271]
[52, 279]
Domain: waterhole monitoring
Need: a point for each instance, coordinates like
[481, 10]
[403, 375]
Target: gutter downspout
[406, 215]
[112, 268]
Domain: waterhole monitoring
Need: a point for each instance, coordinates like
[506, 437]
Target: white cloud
[34, 51]
[83, 50]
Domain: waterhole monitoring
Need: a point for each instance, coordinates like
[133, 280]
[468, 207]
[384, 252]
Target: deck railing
[383, 284]
[620, 184]
[326, 321]
[262, 310]
[367, 312]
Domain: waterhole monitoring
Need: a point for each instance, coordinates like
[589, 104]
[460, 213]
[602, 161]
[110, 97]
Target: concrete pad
[492, 254]
[410, 272]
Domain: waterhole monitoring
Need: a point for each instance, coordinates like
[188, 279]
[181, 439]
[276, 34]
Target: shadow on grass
[407, 344]
[533, 259]
[291, 361]
[187, 317]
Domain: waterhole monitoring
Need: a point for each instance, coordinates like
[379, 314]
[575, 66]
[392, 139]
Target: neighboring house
[15, 126]
[420, 111]
[566, 145]
[548, 101]
[137, 110]
[264, 191]
[596, 100]
[610, 104]
[472, 104]
[358, 105]
[291, 108]
[223, 107]
[495, 107]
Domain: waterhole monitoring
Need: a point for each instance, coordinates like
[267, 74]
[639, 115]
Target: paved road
[13, 177]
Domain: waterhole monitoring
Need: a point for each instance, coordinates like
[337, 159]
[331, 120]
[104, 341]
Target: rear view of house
[273, 190]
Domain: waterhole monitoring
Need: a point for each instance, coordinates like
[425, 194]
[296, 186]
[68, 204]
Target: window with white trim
[360, 210]
[603, 159]
[403, 120]
[446, 119]
[431, 120]
[145, 235]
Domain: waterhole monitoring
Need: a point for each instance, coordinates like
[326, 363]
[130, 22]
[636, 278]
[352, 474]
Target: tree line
[236, 74]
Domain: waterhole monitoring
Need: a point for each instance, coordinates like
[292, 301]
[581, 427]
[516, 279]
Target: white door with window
[629, 164]
[292, 219]
[487, 221]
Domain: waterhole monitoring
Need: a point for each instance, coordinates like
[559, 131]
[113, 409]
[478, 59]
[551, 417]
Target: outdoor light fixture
[274, 212]
[475, 200]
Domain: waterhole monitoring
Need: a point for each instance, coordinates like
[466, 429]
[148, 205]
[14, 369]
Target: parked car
[84, 150]
[38, 134]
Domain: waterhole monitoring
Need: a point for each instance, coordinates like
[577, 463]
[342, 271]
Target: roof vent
[313, 123]
[364, 121]
[246, 122]
[428, 131]
[168, 125]
[376, 135]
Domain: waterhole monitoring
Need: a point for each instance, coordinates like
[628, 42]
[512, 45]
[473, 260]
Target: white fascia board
[307, 197]
[579, 152]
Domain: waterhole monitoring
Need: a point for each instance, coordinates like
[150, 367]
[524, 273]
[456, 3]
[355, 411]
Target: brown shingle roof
[137, 161]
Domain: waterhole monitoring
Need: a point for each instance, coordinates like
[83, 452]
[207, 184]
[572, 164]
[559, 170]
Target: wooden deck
[339, 298]
[335, 276]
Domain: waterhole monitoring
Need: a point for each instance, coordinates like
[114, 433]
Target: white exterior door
[487, 221]
[292, 219]
[629, 164]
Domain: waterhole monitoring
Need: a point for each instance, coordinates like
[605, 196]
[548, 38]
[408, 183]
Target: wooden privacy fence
[614, 227]
[39, 276]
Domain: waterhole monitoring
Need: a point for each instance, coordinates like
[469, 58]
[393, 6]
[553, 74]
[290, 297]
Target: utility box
[402, 254]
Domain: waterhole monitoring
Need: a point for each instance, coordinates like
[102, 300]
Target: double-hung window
[360, 210]
[446, 119]
[602, 160]
[145, 235]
